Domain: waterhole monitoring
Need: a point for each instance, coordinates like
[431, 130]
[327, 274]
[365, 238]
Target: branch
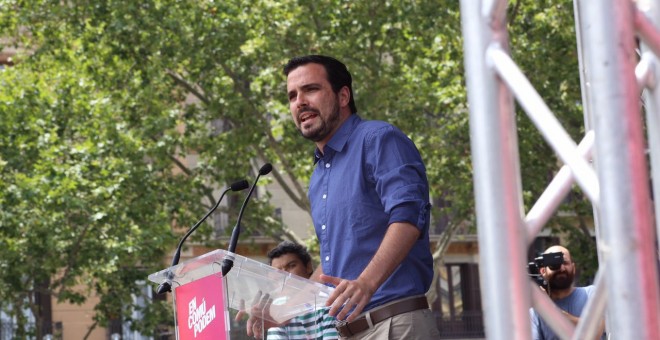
[34, 308]
[197, 92]
[312, 9]
[72, 256]
[296, 197]
[514, 12]
[208, 192]
[299, 196]
[90, 329]
[21, 318]
[291, 235]
[180, 165]
[441, 248]
[191, 88]
[301, 203]
[238, 81]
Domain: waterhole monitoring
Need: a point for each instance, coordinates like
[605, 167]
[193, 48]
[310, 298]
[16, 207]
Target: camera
[550, 260]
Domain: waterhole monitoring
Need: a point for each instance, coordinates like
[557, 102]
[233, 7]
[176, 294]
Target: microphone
[228, 262]
[236, 186]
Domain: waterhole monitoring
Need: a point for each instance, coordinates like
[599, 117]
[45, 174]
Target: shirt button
[323, 227]
[327, 165]
[327, 258]
[324, 196]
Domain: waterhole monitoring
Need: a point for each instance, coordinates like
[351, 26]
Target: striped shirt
[316, 325]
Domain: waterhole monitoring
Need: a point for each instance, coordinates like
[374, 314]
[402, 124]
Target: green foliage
[543, 44]
[79, 200]
[106, 96]
[583, 251]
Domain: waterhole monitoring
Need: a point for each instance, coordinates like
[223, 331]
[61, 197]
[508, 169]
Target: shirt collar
[339, 140]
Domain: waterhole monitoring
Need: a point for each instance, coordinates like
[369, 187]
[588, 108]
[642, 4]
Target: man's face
[314, 105]
[563, 277]
[292, 264]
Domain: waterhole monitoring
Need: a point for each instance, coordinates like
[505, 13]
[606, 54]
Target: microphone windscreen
[266, 169]
[239, 185]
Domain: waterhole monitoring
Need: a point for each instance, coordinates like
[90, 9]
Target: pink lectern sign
[200, 309]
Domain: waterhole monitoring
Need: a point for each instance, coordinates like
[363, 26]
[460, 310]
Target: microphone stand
[167, 285]
[228, 261]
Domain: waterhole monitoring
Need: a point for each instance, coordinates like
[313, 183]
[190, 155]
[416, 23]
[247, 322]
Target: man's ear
[344, 96]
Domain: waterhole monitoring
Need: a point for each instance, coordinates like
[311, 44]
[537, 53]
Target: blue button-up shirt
[371, 175]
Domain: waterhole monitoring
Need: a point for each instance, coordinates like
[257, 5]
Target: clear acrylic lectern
[202, 297]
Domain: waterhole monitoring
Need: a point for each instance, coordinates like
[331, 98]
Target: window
[458, 306]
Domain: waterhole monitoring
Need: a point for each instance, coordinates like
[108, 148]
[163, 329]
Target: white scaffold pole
[625, 205]
[651, 9]
[501, 231]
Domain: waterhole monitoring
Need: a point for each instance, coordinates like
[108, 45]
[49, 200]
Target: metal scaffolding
[615, 71]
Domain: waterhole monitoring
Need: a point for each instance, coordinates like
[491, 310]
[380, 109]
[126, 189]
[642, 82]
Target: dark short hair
[288, 247]
[338, 75]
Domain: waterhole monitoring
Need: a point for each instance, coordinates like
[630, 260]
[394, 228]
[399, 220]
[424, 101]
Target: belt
[361, 324]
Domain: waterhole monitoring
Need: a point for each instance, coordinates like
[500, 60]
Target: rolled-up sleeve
[400, 176]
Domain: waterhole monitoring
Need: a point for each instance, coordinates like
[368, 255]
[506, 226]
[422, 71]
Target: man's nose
[301, 101]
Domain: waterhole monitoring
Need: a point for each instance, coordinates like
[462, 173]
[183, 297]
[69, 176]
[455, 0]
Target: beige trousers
[416, 325]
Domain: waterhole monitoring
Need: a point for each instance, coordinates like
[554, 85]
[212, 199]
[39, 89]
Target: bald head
[560, 280]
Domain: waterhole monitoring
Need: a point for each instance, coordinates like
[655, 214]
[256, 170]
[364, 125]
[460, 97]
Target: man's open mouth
[307, 115]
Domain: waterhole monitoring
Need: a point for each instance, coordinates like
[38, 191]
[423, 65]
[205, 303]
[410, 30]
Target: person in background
[294, 258]
[370, 206]
[561, 289]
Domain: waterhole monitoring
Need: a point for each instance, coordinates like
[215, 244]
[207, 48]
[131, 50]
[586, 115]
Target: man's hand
[347, 295]
[259, 320]
[399, 239]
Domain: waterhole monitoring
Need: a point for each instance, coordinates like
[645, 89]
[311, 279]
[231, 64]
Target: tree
[108, 97]
[543, 43]
[80, 203]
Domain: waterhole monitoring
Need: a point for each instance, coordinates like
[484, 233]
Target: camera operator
[561, 289]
